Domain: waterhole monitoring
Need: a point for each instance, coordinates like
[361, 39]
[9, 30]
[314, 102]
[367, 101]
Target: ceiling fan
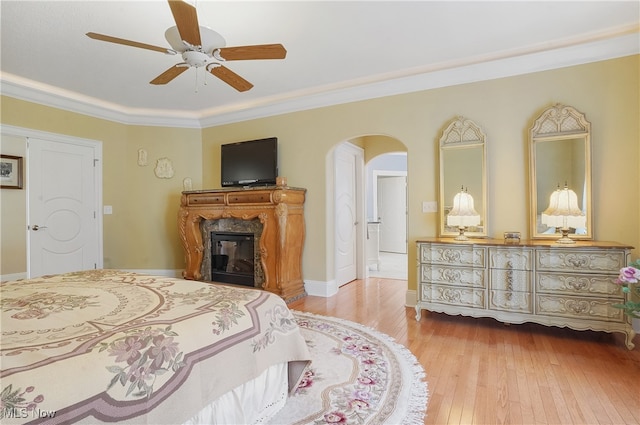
[200, 47]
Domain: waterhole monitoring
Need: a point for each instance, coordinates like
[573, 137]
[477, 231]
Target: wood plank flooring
[482, 372]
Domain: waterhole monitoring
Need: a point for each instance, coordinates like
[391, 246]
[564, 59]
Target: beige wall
[142, 232]
[607, 92]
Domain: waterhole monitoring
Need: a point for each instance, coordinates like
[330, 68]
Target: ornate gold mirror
[462, 173]
[560, 162]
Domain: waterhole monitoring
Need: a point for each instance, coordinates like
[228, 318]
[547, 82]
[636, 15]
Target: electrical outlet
[429, 207]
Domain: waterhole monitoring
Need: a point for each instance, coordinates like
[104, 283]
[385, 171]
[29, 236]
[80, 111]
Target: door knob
[35, 227]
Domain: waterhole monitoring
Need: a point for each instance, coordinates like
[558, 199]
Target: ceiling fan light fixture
[209, 38]
[195, 59]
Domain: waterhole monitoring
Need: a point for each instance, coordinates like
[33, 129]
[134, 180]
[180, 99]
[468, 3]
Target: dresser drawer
[577, 283]
[204, 199]
[510, 280]
[603, 261]
[453, 255]
[542, 282]
[463, 297]
[519, 302]
[250, 197]
[456, 276]
[511, 258]
[579, 307]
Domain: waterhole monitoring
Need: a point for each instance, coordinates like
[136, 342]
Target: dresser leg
[418, 313]
[629, 341]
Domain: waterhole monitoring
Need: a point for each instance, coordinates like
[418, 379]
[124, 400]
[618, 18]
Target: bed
[113, 346]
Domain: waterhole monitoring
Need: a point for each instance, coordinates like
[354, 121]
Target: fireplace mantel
[280, 211]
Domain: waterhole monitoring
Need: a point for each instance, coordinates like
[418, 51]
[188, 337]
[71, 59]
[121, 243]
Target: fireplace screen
[232, 258]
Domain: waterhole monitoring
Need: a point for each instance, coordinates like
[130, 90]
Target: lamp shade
[563, 210]
[463, 213]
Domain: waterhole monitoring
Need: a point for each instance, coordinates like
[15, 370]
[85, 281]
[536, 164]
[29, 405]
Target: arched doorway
[347, 180]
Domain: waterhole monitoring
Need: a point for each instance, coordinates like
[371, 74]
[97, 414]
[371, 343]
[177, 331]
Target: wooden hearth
[280, 211]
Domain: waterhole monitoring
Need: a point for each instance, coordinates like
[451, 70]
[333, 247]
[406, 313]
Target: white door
[392, 213]
[63, 208]
[346, 219]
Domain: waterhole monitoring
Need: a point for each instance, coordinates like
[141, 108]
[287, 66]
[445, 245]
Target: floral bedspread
[107, 345]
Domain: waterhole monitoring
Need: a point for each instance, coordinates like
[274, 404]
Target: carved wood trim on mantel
[280, 210]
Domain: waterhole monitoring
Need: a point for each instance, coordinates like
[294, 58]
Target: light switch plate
[429, 207]
[107, 209]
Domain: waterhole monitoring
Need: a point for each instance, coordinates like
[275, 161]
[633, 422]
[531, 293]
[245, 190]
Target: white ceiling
[337, 51]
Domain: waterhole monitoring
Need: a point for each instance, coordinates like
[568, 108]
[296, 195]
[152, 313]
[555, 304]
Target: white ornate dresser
[533, 281]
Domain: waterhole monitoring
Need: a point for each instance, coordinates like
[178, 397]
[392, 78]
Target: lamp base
[565, 239]
[461, 236]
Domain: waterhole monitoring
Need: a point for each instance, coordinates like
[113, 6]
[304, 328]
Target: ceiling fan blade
[231, 78]
[186, 19]
[261, 51]
[117, 40]
[169, 74]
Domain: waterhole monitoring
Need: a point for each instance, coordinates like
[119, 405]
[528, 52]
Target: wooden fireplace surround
[280, 211]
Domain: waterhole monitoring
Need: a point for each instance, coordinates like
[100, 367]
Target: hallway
[392, 266]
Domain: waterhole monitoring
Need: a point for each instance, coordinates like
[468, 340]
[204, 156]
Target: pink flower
[128, 350]
[629, 275]
[361, 395]
[335, 418]
[140, 374]
[365, 380]
[163, 350]
[305, 382]
[358, 404]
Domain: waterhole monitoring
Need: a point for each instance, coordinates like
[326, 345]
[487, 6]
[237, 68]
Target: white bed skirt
[254, 402]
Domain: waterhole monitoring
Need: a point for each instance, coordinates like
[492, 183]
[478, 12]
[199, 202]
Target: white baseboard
[411, 298]
[12, 276]
[320, 288]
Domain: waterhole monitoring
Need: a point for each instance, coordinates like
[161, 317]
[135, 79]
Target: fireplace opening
[232, 258]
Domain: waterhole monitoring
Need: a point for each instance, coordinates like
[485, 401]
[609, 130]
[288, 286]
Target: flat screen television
[249, 163]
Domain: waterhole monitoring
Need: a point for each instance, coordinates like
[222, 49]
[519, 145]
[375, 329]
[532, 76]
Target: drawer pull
[577, 261]
[509, 280]
[577, 285]
[451, 295]
[451, 256]
[577, 307]
[451, 275]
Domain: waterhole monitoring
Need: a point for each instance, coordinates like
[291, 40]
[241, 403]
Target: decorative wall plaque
[164, 168]
[142, 158]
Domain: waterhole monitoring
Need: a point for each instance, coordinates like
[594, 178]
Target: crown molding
[586, 49]
[32, 91]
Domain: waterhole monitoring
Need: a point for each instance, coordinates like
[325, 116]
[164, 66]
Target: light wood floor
[480, 371]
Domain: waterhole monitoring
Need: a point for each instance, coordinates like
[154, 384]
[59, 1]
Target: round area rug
[357, 376]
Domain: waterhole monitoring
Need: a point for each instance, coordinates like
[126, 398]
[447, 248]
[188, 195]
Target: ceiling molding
[592, 48]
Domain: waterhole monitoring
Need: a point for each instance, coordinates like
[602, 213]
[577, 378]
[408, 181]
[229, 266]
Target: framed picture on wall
[10, 172]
